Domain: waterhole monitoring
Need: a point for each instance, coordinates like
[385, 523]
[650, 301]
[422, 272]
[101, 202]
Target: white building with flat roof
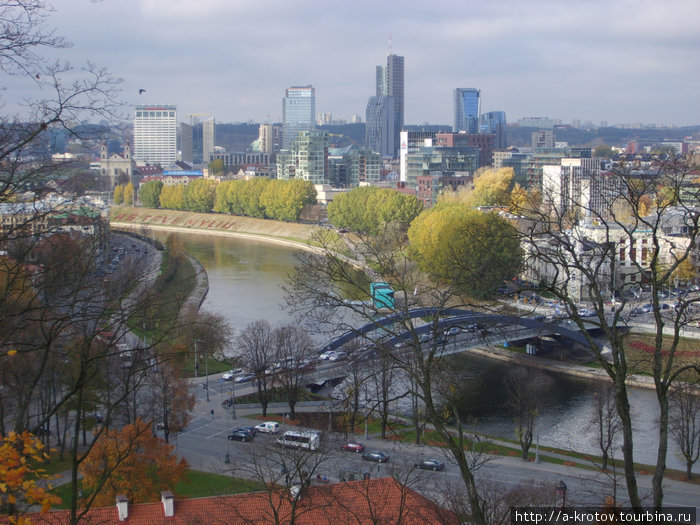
[155, 134]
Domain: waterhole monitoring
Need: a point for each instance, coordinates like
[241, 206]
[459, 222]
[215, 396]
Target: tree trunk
[623, 409]
[657, 480]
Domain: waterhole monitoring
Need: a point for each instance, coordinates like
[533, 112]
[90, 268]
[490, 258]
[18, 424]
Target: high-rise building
[298, 112]
[379, 132]
[155, 134]
[494, 123]
[306, 158]
[197, 141]
[269, 138]
[466, 110]
[390, 84]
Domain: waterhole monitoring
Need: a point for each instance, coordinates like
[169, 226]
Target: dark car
[250, 430]
[240, 435]
[377, 456]
[429, 464]
[352, 446]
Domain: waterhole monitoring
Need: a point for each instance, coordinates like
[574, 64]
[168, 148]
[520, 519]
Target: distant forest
[239, 137]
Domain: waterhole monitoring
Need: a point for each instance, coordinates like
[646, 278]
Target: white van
[306, 440]
[268, 427]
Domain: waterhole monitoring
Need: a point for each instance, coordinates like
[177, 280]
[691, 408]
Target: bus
[304, 440]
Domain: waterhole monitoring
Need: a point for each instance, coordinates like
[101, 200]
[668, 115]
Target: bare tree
[170, 398]
[286, 474]
[525, 387]
[256, 347]
[606, 421]
[684, 423]
[293, 354]
[329, 291]
[593, 239]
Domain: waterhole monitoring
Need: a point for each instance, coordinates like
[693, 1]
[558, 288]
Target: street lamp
[561, 491]
[206, 367]
[233, 399]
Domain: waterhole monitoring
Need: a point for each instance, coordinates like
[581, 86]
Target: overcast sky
[618, 61]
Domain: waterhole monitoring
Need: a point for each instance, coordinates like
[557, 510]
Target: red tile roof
[381, 500]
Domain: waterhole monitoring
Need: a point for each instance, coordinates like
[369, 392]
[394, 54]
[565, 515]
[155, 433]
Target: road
[204, 445]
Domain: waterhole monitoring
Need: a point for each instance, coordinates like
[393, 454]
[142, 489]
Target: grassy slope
[211, 221]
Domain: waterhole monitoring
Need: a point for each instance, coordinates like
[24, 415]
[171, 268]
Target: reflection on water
[245, 284]
[245, 276]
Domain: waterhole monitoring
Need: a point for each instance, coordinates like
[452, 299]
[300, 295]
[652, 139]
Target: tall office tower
[269, 138]
[298, 112]
[466, 110]
[197, 141]
[390, 84]
[155, 134]
[494, 123]
[379, 131]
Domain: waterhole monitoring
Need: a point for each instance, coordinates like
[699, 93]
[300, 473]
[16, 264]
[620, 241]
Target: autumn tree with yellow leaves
[23, 483]
[130, 461]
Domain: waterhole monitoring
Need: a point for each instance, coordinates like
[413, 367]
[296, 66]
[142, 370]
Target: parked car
[637, 311]
[338, 356]
[454, 330]
[379, 457]
[240, 435]
[429, 464]
[352, 446]
[250, 430]
[326, 355]
[268, 427]
[228, 376]
[245, 378]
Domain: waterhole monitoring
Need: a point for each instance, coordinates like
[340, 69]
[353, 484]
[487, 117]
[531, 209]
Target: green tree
[149, 193]
[200, 195]
[284, 200]
[472, 251]
[249, 196]
[118, 194]
[216, 166]
[129, 194]
[369, 209]
[173, 197]
[492, 187]
[604, 151]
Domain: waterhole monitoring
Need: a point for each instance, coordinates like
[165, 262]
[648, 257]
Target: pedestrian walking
[212, 413]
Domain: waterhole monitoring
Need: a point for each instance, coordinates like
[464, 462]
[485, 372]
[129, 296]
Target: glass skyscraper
[380, 133]
[390, 84]
[466, 110]
[298, 112]
[155, 135]
[494, 122]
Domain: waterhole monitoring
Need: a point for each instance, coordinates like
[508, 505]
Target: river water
[245, 284]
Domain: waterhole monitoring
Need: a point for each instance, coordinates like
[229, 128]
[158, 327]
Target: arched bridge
[450, 317]
[494, 329]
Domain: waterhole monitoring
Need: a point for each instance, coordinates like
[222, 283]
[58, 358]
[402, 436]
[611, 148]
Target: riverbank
[299, 236]
[141, 220]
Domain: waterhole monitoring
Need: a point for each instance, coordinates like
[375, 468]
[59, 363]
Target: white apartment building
[580, 187]
[155, 135]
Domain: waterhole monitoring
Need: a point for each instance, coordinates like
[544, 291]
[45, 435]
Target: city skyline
[615, 61]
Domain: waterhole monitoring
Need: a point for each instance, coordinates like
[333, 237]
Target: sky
[616, 61]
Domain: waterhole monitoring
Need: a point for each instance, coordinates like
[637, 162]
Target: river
[245, 284]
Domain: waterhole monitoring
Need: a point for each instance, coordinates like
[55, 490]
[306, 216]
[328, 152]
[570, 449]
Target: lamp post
[233, 399]
[561, 491]
[206, 366]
